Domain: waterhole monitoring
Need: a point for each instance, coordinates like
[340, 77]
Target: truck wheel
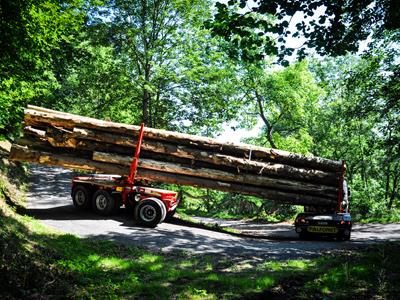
[103, 203]
[163, 208]
[304, 235]
[344, 237]
[149, 213]
[81, 197]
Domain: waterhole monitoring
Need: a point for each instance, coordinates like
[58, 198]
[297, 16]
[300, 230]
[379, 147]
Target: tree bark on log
[72, 162]
[63, 138]
[281, 197]
[22, 153]
[248, 179]
[72, 141]
[69, 121]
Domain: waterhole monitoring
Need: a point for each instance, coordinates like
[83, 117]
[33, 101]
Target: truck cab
[107, 193]
[329, 222]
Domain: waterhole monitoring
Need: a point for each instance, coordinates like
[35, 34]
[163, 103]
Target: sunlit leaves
[331, 27]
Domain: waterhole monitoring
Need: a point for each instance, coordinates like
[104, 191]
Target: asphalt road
[49, 200]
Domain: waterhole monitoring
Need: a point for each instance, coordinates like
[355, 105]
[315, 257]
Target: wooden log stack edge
[67, 140]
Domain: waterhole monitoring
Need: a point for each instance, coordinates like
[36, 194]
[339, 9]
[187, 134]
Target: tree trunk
[65, 139]
[273, 183]
[43, 119]
[21, 153]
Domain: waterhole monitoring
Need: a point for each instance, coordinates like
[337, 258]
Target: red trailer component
[106, 193]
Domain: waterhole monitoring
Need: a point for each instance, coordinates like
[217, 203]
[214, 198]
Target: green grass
[38, 260]
[81, 268]
[392, 217]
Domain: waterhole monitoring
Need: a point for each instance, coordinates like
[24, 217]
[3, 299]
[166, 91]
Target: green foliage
[208, 203]
[33, 35]
[159, 66]
[257, 28]
[359, 122]
[286, 101]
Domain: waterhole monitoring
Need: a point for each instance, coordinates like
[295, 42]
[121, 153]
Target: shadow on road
[70, 213]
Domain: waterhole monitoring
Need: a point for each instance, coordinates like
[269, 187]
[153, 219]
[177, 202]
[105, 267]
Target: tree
[286, 101]
[359, 122]
[375, 85]
[33, 34]
[328, 27]
[179, 79]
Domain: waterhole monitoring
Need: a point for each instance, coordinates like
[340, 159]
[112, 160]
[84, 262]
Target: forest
[317, 78]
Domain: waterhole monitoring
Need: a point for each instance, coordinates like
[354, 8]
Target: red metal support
[340, 188]
[135, 160]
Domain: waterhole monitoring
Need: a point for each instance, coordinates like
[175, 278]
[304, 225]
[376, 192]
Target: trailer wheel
[103, 203]
[149, 213]
[163, 208]
[81, 197]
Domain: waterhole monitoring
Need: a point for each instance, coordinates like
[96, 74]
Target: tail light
[301, 221]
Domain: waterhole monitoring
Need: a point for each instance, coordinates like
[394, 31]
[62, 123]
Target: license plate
[322, 229]
[119, 188]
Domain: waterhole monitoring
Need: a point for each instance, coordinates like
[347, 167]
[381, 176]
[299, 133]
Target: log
[50, 143]
[22, 153]
[72, 141]
[71, 162]
[64, 138]
[275, 169]
[248, 179]
[267, 194]
[69, 121]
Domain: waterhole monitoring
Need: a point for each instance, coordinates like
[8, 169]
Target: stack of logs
[72, 141]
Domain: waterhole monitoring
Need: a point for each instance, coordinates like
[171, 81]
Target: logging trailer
[106, 193]
[151, 206]
[77, 142]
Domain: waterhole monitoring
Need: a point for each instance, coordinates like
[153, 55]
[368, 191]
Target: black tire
[343, 237]
[304, 235]
[103, 203]
[81, 197]
[163, 208]
[148, 213]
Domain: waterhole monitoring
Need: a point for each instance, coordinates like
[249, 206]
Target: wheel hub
[80, 197]
[148, 213]
[101, 202]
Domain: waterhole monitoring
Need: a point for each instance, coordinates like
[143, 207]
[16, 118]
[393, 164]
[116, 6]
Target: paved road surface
[49, 200]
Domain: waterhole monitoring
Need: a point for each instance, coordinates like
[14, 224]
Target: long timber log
[69, 121]
[174, 168]
[22, 153]
[76, 139]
